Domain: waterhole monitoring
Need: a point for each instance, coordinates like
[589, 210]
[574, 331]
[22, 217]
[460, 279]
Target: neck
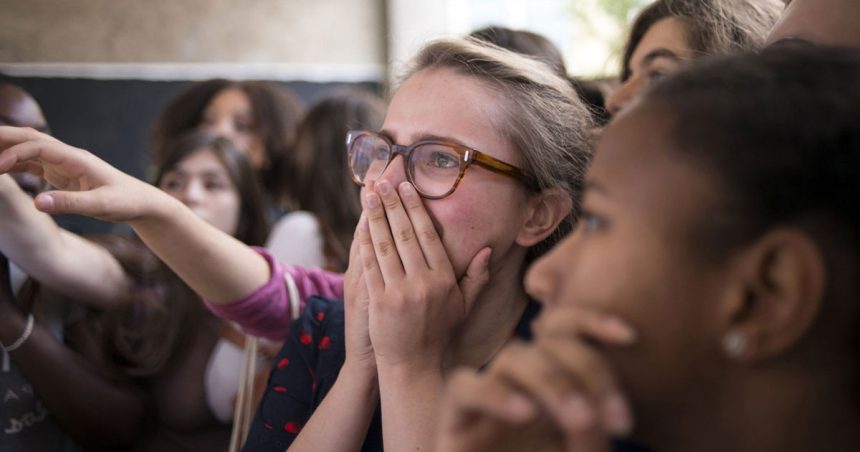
[785, 408]
[491, 323]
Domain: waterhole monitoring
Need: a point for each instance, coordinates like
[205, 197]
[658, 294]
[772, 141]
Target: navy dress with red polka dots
[306, 369]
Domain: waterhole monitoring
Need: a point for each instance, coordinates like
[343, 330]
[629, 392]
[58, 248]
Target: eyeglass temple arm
[501, 167]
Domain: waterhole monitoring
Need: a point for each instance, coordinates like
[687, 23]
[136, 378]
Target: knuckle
[390, 202]
[375, 215]
[405, 235]
[429, 235]
[368, 263]
[384, 248]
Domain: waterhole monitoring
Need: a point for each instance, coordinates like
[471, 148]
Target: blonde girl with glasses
[433, 282]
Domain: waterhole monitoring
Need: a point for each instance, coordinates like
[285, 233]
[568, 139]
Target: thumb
[81, 203]
[476, 277]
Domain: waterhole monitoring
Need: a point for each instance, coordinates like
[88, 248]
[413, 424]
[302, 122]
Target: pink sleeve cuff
[266, 312]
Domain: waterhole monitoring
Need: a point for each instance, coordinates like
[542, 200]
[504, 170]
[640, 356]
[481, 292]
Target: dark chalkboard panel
[113, 118]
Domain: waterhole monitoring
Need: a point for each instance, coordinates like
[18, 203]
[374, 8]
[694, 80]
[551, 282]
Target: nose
[543, 278]
[191, 194]
[222, 127]
[395, 172]
[621, 96]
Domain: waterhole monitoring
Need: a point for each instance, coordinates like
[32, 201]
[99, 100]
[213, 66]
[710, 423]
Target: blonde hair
[541, 115]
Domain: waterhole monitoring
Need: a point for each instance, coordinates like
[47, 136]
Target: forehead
[201, 160]
[230, 98]
[442, 102]
[645, 174]
[834, 22]
[670, 33]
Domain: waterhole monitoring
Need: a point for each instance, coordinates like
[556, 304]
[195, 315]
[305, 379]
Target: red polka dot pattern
[305, 338]
[292, 427]
[325, 343]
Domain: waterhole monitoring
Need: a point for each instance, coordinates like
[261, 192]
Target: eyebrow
[205, 173]
[659, 53]
[425, 136]
[595, 187]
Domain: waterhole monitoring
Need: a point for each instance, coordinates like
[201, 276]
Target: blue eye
[590, 222]
[444, 160]
[654, 76]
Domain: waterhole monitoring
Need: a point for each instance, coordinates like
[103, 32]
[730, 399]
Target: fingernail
[576, 412]
[383, 188]
[372, 201]
[621, 329]
[407, 190]
[617, 415]
[45, 202]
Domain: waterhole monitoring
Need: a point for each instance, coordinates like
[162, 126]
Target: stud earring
[734, 344]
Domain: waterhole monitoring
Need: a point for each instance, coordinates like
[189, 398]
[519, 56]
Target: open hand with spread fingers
[87, 185]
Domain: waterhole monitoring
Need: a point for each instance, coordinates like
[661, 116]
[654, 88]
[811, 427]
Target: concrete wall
[299, 32]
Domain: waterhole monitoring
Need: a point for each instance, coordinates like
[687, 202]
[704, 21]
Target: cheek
[256, 151]
[665, 300]
[223, 212]
[468, 222]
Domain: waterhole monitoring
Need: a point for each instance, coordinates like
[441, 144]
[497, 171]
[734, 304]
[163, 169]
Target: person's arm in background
[97, 409]
[59, 259]
[217, 266]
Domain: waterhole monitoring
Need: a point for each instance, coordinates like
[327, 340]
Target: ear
[545, 211]
[776, 297]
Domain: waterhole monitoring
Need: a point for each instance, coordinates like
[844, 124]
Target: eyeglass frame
[468, 156]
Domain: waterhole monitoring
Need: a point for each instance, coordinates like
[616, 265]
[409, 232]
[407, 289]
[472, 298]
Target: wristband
[24, 336]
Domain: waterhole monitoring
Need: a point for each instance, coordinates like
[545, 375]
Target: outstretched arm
[59, 259]
[218, 267]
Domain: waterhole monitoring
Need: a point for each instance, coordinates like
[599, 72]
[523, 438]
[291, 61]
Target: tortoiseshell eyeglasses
[435, 168]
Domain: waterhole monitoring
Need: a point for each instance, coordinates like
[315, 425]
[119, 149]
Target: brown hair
[714, 27]
[276, 109]
[543, 117]
[328, 191]
[524, 42]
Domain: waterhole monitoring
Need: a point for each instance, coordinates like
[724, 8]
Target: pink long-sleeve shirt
[266, 311]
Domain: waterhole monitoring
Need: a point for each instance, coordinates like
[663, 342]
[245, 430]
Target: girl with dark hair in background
[259, 117]
[188, 360]
[670, 33]
[320, 233]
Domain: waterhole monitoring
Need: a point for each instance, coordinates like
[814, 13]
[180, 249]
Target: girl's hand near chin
[557, 393]
[416, 300]
[359, 351]
[87, 185]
